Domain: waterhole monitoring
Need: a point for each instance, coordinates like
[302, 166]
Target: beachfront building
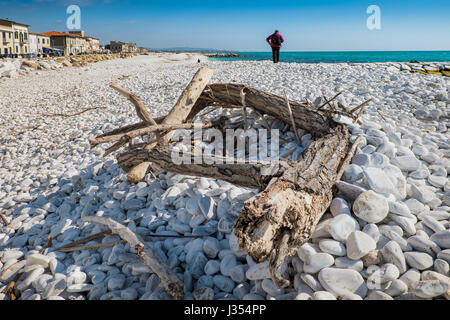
[6, 37]
[92, 44]
[19, 42]
[38, 42]
[67, 42]
[118, 47]
[33, 42]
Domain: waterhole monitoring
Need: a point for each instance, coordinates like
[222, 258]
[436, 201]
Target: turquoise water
[346, 56]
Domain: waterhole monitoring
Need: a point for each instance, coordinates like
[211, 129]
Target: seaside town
[18, 40]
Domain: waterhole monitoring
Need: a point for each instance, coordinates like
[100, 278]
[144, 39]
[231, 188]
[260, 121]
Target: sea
[345, 56]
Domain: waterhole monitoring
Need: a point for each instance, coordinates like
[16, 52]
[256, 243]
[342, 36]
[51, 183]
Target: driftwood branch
[294, 194]
[147, 255]
[141, 110]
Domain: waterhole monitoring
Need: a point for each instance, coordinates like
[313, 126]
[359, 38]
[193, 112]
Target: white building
[33, 43]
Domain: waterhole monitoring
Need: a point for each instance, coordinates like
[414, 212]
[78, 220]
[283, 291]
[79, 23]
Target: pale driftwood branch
[141, 110]
[360, 106]
[146, 131]
[292, 119]
[170, 281]
[89, 247]
[5, 221]
[187, 100]
[305, 117]
[328, 101]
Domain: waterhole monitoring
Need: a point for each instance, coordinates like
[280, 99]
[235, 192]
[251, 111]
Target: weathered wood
[291, 116]
[146, 131]
[187, 100]
[170, 281]
[305, 117]
[292, 205]
[141, 110]
[243, 173]
[138, 172]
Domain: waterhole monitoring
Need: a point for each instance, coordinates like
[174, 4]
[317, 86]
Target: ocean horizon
[343, 56]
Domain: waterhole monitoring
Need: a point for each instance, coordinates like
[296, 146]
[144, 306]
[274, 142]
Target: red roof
[61, 34]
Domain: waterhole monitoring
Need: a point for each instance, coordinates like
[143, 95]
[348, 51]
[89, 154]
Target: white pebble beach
[386, 235]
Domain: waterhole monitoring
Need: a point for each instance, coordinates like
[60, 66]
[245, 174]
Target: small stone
[197, 265]
[206, 205]
[374, 257]
[332, 247]
[271, 289]
[352, 173]
[133, 204]
[392, 253]
[317, 262]
[237, 273]
[339, 206]
[227, 263]
[437, 181]
[379, 181]
[341, 226]
[396, 287]
[223, 283]
[259, 271]
[346, 263]
[371, 207]
[399, 208]
[79, 287]
[212, 267]
[378, 295]
[411, 278]
[116, 282]
[322, 295]
[432, 223]
[442, 267]
[192, 205]
[431, 288]
[444, 255]
[406, 223]
[422, 193]
[341, 281]
[387, 272]
[129, 293]
[39, 259]
[350, 191]
[419, 260]
[359, 244]
[442, 238]
[211, 247]
[305, 251]
[406, 163]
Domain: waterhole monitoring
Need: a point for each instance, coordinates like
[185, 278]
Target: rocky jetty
[10, 68]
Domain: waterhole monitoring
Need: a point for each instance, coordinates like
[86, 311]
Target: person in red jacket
[275, 40]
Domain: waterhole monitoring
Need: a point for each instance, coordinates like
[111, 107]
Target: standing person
[275, 40]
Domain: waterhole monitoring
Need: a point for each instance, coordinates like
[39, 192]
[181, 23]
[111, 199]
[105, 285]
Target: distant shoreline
[342, 56]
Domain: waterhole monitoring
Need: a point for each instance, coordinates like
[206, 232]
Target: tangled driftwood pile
[292, 199]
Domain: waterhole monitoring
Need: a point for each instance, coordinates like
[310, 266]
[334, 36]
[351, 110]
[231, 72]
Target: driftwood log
[173, 285]
[292, 198]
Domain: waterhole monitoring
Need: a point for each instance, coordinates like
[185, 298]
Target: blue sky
[241, 25]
